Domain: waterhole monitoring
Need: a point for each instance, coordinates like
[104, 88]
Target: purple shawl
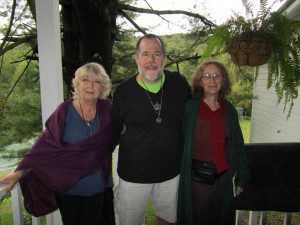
[57, 165]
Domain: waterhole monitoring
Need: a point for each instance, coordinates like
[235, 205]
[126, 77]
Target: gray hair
[150, 36]
[96, 69]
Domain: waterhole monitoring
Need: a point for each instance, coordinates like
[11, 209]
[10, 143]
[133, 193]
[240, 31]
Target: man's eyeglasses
[208, 76]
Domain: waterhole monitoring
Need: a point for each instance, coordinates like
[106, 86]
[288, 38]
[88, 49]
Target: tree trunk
[89, 30]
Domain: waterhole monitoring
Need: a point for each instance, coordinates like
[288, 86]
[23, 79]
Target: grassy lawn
[5, 211]
[245, 126]
[6, 217]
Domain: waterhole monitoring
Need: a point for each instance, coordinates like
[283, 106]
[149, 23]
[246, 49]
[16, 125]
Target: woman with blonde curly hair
[69, 167]
[213, 151]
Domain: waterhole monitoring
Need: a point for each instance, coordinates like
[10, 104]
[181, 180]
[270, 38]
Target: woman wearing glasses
[69, 167]
[213, 153]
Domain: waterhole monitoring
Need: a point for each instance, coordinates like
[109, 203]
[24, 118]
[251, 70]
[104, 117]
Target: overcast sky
[216, 10]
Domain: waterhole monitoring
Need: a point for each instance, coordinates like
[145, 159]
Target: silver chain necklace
[157, 106]
[88, 125]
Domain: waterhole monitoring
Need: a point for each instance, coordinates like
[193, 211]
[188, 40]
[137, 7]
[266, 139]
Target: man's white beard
[149, 77]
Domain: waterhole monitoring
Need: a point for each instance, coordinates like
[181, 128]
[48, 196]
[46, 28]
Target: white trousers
[131, 201]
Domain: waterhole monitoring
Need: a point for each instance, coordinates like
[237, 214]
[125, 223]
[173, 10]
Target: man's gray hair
[150, 36]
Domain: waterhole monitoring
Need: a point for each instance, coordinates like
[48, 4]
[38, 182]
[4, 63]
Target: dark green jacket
[236, 160]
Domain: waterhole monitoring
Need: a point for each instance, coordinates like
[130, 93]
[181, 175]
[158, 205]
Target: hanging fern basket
[250, 50]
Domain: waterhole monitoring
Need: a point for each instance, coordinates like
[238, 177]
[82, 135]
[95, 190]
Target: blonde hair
[96, 69]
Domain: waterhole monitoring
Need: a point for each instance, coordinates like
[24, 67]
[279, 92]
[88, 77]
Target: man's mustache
[152, 65]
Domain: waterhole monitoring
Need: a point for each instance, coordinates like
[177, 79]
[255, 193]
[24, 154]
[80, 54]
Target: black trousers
[80, 210]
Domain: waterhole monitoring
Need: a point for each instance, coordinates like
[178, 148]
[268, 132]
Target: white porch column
[50, 66]
[49, 45]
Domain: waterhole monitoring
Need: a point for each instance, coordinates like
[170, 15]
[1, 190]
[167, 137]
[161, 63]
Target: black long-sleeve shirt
[149, 152]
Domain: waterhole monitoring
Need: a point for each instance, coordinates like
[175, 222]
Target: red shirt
[210, 134]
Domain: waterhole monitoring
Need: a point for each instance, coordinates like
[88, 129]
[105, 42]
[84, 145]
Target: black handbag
[204, 172]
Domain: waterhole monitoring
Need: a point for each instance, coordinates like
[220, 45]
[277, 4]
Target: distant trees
[90, 32]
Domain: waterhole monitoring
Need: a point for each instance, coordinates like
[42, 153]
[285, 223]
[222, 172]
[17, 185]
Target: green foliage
[183, 46]
[20, 111]
[21, 119]
[123, 53]
[277, 29]
[284, 65]
[217, 43]
[242, 85]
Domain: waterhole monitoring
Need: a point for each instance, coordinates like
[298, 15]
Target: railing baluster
[50, 219]
[238, 217]
[36, 220]
[287, 219]
[263, 218]
[16, 200]
[253, 218]
[54, 218]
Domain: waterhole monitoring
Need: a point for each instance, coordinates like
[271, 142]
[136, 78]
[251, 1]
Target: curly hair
[198, 91]
[96, 69]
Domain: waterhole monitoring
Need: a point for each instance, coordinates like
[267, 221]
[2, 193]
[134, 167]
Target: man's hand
[239, 190]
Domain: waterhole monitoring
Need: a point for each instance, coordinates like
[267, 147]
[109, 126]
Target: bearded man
[147, 122]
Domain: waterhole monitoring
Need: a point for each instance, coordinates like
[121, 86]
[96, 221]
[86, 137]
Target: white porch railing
[255, 217]
[17, 209]
[259, 218]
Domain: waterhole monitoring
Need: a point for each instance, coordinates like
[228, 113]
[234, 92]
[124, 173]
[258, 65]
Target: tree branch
[160, 15]
[16, 43]
[15, 84]
[32, 58]
[11, 20]
[132, 22]
[183, 60]
[31, 4]
[123, 6]
[124, 56]
[1, 65]
[245, 76]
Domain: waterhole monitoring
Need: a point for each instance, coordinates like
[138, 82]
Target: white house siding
[269, 121]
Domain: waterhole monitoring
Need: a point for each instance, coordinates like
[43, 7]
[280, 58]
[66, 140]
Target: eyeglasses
[208, 76]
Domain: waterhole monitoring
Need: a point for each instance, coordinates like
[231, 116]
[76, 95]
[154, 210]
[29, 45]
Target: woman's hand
[239, 190]
[11, 180]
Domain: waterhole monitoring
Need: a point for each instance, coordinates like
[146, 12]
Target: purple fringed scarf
[57, 166]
